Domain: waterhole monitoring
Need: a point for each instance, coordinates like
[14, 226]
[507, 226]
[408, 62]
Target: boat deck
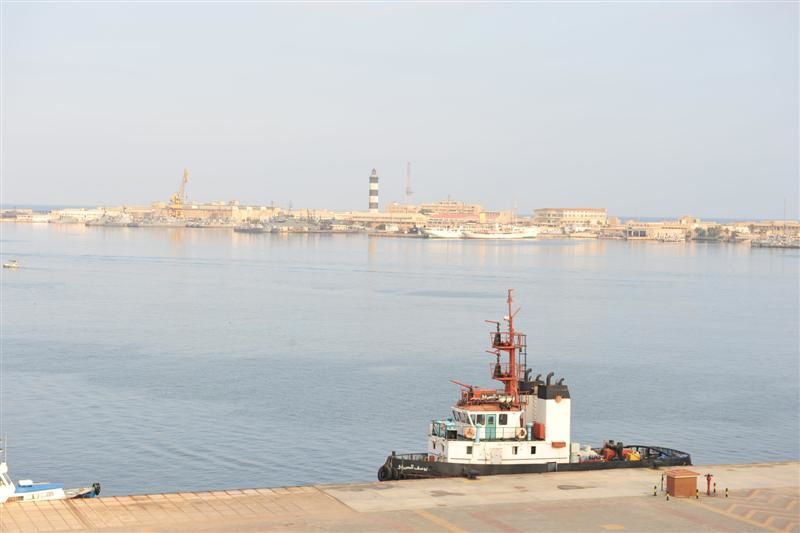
[762, 496]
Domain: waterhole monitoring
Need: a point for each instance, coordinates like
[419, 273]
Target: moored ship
[27, 491]
[252, 228]
[444, 233]
[524, 427]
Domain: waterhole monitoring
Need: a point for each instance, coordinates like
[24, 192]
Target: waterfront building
[570, 216]
[449, 207]
[689, 221]
[396, 207]
[402, 220]
[81, 215]
[669, 231]
[775, 227]
[17, 215]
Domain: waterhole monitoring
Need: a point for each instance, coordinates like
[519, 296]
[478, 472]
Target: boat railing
[500, 371]
[501, 433]
[410, 456]
[482, 396]
[439, 428]
[456, 431]
[502, 339]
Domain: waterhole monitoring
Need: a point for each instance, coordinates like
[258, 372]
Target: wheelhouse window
[481, 420]
[503, 420]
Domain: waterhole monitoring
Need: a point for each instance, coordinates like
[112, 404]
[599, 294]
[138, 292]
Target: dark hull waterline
[416, 466]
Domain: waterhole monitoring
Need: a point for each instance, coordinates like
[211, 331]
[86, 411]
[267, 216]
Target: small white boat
[26, 490]
[444, 233]
[11, 264]
[499, 233]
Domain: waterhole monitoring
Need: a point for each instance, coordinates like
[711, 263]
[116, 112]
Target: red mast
[509, 342]
[512, 385]
[508, 372]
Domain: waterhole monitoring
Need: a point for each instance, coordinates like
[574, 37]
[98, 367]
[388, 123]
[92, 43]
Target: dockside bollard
[668, 496]
[726, 492]
[715, 488]
[655, 490]
[696, 494]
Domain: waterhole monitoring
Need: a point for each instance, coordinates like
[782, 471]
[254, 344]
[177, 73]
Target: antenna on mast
[409, 192]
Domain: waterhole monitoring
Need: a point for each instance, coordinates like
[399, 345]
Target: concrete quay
[761, 497]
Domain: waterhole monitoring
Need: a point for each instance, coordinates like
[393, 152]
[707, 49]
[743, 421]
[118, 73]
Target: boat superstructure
[522, 427]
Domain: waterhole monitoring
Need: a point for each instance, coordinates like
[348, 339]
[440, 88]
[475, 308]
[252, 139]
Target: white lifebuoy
[522, 433]
[469, 432]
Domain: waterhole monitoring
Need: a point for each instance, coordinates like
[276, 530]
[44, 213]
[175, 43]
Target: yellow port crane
[177, 199]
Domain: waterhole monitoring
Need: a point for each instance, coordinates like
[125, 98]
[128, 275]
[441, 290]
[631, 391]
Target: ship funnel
[560, 381]
[549, 377]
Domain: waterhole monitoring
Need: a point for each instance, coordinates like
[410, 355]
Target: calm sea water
[167, 359]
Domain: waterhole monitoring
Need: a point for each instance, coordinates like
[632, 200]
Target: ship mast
[512, 384]
[509, 342]
[508, 372]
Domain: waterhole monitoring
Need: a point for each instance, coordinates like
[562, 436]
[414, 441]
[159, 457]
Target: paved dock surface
[761, 497]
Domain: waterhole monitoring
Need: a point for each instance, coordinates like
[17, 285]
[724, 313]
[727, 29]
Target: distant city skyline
[649, 110]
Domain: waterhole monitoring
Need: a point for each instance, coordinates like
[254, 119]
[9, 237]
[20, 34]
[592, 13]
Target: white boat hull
[444, 233]
[528, 233]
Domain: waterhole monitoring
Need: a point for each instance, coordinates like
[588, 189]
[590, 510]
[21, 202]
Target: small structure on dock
[682, 483]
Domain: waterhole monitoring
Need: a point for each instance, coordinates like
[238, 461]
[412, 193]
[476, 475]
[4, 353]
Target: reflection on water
[157, 359]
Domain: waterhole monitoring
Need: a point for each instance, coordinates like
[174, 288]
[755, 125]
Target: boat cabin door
[491, 426]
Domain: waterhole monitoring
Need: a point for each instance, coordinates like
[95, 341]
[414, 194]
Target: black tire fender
[384, 474]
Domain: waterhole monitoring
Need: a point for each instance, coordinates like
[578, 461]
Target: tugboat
[524, 427]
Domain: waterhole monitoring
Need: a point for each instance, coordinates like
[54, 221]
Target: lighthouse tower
[373, 191]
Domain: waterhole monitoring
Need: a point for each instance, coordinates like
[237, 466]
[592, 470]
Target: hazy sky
[647, 109]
